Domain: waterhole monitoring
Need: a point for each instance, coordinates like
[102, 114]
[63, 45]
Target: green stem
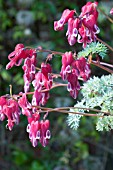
[10, 90]
[105, 15]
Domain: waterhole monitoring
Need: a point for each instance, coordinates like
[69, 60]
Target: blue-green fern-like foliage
[73, 119]
[97, 93]
[105, 122]
[93, 48]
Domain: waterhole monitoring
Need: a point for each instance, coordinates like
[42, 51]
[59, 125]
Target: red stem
[66, 110]
[106, 64]
[102, 67]
[54, 86]
[50, 51]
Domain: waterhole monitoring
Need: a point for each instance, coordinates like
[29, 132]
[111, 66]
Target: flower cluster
[25, 105]
[81, 29]
[17, 56]
[42, 84]
[38, 130]
[41, 80]
[9, 109]
[29, 68]
[72, 69]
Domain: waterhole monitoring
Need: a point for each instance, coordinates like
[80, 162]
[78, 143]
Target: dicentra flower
[33, 129]
[25, 105]
[29, 68]
[72, 69]
[3, 102]
[43, 79]
[44, 134]
[59, 25]
[83, 68]
[12, 112]
[40, 98]
[72, 32]
[16, 56]
[38, 130]
[67, 60]
[82, 28]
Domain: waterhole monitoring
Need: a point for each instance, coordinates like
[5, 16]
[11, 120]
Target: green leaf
[5, 75]
[36, 165]
[20, 157]
[94, 48]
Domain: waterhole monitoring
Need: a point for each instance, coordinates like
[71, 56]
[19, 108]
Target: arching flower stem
[102, 67]
[66, 110]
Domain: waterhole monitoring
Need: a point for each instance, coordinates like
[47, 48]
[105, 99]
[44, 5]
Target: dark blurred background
[31, 22]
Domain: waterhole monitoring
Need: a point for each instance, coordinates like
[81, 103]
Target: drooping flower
[9, 109]
[83, 68]
[84, 36]
[42, 83]
[70, 73]
[73, 84]
[3, 102]
[72, 69]
[89, 9]
[67, 60]
[12, 112]
[82, 28]
[43, 79]
[59, 25]
[33, 129]
[72, 32]
[89, 29]
[38, 130]
[16, 56]
[25, 105]
[33, 117]
[40, 98]
[29, 68]
[46, 71]
[44, 133]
